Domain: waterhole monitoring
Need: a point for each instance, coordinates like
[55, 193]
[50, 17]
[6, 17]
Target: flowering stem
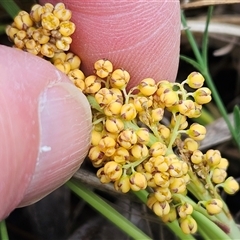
[201, 64]
[174, 226]
[106, 210]
[3, 231]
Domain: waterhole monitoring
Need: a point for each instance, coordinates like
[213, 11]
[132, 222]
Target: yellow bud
[93, 84]
[143, 136]
[169, 98]
[103, 68]
[158, 149]
[107, 145]
[95, 137]
[202, 95]
[123, 184]
[162, 194]
[113, 170]
[219, 175]
[75, 75]
[223, 164]
[197, 157]
[230, 186]
[138, 181]
[119, 78]
[160, 163]
[64, 43]
[64, 67]
[95, 154]
[66, 28]
[214, 206]
[127, 138]
[121, 155]
[188, 225]
[11, 31]
[114, 125]
[161, 208]
[184, 210]
[190, 145]
[177, 185]
[161, 179]
[197, 132]
[186, 107]
[74, 60]
[157, 114]
[102, 176]
[128, 112]
[139, 151]
[36, 12]
[113, 108]
[175, 169]
[41, 35]
[213, 157]
[61, 12]
[23, 21]
[164, 131]
[48, 50]
[195, 80]
[142, 103]
[151, 200]
[147, 87]
[171, 216]
[49, 21]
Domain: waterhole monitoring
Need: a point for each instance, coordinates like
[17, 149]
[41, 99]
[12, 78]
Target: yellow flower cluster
[45, 31]
[131, 145]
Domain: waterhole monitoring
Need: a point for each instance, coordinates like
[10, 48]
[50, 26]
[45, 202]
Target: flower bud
[219, 175]
[138, 181]
[161, 208]
[103, 68]
[158, 149]
[213, 157]
[123, 184]
[119, 78]
[128, 111]
[213, 206]
[185, 209]
[113, 170]
[197, 157]
[147, 87]
[139, 151]
[195, 80]
[202, 95]
[171, 216]
[162, 194]
[230, 186]
[196, 132]
[188, 225]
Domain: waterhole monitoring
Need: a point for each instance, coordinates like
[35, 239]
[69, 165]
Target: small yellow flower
[197, 132]
[119, 78]
[219, 175]
[158, 149]
[93, 84]
[230, 186]
[188, 225]
[127, 138]
[66, 28]
[202, 95]
[214, 206]
[128, 111]
[143, 136]
[103, 68]
[195, 80]
[213, 157]
[161, 208]
[23, 21]
[184, 210]
[74, 60]
[139, 151]
[114, 125]
[113, 170]
[147, 87]
[123, 184]
[171, 216]
[162, 194]
[121, 155]
[197, 157]
[138, 181]
[49, 21]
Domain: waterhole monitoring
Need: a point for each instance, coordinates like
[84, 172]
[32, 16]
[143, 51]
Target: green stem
[205, 37]
[210, 228]
[192, 40]
[106, 210]
[3, 231]
[174, 226]
[10, 7]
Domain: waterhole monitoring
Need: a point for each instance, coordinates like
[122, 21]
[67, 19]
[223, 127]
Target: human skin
[45, 122]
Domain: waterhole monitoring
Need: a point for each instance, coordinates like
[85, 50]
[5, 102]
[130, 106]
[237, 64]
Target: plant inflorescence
[132, 146]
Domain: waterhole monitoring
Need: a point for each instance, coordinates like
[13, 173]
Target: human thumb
[45, 125]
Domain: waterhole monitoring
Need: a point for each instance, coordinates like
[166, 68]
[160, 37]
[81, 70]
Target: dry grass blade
[203, 3]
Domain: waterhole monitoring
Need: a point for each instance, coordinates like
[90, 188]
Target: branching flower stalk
[131, 146]
[201, 64]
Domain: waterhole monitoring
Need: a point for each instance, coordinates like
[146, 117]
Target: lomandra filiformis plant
[131, 146]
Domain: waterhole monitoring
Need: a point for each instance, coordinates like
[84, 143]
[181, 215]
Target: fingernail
[65, 125]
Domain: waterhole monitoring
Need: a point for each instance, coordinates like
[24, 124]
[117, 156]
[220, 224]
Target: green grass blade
[106, 210]
[3, 231]
[10, 7]
[236, 117]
